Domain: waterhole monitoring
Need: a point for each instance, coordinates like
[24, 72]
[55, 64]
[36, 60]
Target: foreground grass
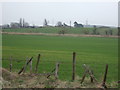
[93, 51]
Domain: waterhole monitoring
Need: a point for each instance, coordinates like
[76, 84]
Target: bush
[62, 32]
[110, 32]
[86, 32]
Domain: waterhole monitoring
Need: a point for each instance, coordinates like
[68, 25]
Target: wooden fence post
[36, 68]
[56, 70]
[52, 72]
[10, 63]
[105, 77]
[25, 66]
[31, 66]
[91, 77]
[74, 62]
[84, 76]
[89, 72]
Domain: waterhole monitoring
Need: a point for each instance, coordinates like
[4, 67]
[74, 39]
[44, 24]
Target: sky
[96, 13]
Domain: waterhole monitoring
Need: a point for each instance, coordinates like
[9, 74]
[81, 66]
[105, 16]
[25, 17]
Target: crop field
[68, 30]
[93, 51]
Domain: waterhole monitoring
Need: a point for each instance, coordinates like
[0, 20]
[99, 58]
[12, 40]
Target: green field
[67, 30]
[93, 51]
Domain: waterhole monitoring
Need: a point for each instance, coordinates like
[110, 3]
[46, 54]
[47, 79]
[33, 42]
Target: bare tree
[45, 23]
[59, 24]
[23, 22]
[20, 22]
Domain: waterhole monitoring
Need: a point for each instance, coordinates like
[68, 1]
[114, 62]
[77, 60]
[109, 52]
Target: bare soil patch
[51, 34]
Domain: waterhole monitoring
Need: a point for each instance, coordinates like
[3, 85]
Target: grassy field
[93, 51]
[67, 30]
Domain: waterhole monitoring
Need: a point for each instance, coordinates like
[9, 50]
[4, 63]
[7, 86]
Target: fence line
[55, 71]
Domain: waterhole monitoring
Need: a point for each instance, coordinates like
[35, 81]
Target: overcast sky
[99, 13]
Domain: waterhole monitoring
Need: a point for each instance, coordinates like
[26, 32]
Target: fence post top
[57, 63]
[74, 52]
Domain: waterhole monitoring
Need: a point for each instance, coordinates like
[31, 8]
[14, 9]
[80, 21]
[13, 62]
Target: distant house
[88, 26]
[21, 24]
[77, 25]
[5, 26]
[104, 27]
[15, 25]
[98, 26]
[65, 25]
[25, 24]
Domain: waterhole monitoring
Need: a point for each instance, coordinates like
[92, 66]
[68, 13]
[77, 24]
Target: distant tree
[59, 24]
[75, 24]
[86, 32]
[26, 24]
[45, 23]
[62, 32]
[21, 24]
[14, 25]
